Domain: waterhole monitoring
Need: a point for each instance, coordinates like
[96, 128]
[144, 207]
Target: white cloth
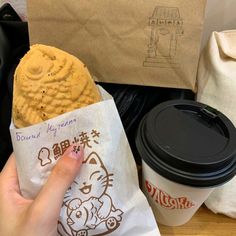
[217, 88]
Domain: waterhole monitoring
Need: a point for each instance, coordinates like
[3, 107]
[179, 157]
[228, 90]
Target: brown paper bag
[155, 42]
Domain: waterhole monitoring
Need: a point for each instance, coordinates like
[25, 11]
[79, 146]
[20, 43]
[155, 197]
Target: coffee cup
[187, 149]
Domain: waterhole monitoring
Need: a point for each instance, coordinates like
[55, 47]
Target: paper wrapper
[99, 130]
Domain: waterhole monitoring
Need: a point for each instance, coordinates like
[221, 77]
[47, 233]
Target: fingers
[51, 196]
[8, 176]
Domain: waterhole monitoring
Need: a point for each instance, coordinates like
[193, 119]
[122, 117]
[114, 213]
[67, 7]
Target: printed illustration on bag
[44, 156]
[92, 211]
[165, 200]
[166, 27]
[48, 156]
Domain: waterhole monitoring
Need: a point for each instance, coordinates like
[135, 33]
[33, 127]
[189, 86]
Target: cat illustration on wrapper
[92, 211]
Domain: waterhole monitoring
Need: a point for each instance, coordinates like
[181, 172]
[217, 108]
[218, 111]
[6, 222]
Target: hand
[36, 217]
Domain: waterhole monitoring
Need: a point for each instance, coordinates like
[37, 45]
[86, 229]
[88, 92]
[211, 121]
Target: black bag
[133, 102]
[14, 43]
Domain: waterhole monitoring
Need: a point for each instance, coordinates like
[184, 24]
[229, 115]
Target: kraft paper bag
[105, 197]
[217, 88]
[154, 42]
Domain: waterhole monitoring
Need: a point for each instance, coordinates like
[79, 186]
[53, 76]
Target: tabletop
[203, 223]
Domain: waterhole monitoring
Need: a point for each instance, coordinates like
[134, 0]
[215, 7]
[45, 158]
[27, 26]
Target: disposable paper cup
[173, 204]
[187, 150]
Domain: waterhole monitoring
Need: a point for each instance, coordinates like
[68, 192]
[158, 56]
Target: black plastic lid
[188, 142]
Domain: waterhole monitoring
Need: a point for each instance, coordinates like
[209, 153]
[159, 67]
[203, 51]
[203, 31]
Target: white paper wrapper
[99, 129]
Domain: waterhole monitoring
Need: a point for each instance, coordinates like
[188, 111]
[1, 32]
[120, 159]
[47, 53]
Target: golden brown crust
[49, 82]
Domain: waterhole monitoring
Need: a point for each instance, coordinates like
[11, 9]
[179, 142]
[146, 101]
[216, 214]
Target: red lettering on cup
[165, 200]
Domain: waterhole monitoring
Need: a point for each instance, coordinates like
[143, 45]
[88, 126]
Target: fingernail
[75, 151]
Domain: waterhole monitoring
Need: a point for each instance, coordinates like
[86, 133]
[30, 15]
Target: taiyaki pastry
[49, 82]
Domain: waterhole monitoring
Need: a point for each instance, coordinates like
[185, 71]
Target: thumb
[50, 198]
